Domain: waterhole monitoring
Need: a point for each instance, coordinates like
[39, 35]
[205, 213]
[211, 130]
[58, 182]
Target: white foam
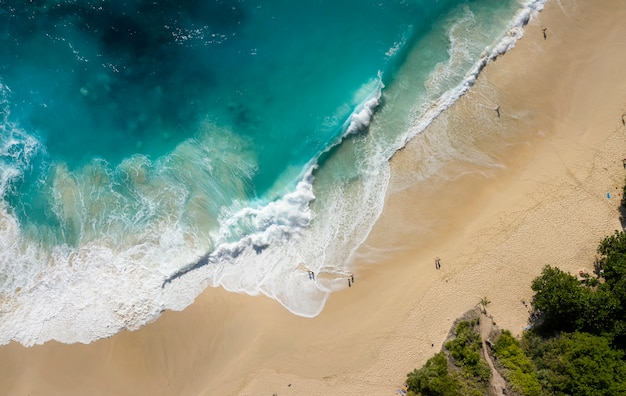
[117, 276]
[16, 147]
[507, 42]
[367, 99]
[361, 117]
[82, 293]
[273, 257]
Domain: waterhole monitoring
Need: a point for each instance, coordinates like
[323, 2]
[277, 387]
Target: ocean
[149, 150]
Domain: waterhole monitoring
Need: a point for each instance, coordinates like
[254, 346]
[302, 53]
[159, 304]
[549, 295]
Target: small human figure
[624, 119]
[312, 275]
[352, 278]
[437, 262]
[624, 163]
[498, 111]
[349, 284]
[545, 36]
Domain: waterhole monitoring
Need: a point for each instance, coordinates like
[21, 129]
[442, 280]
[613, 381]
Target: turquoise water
[102, 80]
[149, 149]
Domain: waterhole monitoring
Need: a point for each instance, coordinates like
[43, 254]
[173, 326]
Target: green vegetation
[433, 379]
[465, 349]
[519, 369]
[560, 299]
[483, 303]
[595, 305]
[577, 344]
[465, 373]
[578, 364]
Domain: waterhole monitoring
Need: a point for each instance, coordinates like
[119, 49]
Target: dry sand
[515, 193]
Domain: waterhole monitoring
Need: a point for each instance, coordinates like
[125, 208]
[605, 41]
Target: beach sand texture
[512, 193]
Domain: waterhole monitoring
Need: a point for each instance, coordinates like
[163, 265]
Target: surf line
[204, 260]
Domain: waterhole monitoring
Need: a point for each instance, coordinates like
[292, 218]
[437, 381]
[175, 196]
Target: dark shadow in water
[121, 70]
[107, 79]
[212, 258]
[209, 258]
[204, 260]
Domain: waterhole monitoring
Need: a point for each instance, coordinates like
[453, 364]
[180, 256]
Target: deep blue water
[109, 80]
[165, 136]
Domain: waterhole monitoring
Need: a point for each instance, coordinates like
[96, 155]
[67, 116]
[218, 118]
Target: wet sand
[514, 193]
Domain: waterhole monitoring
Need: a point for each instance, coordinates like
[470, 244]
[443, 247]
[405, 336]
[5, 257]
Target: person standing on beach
[437, 263]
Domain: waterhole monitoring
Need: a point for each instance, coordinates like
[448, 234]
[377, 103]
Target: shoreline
[552, 156]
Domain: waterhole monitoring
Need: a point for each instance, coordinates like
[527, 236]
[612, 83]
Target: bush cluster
[465, 374]
[519, 369]
[576, 347]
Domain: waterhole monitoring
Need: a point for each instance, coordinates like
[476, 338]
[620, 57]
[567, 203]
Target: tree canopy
[567, 304]
[579, 364]
[576, 347]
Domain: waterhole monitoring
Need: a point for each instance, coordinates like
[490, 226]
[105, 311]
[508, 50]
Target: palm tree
[483, 303]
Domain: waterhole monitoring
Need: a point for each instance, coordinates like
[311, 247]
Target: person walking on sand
[498, 111]
[352, 278]
[437, 263]
[545, 36]
[349, 284]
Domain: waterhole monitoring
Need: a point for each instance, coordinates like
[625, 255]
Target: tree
[567, 304]
[519, 369]
[483, 303]
[465, 349]
[560, 299]
[433, 379]
[579, 364]
[613, 250]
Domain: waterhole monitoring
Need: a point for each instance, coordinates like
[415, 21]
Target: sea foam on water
[149, 166]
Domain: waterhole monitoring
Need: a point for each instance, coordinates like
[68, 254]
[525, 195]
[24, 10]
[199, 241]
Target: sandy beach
[536, 183]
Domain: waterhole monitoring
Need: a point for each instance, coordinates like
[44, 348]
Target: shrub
[578, 364]
[465, 349]
[560, 298]
[433, 379]
[520, 371]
